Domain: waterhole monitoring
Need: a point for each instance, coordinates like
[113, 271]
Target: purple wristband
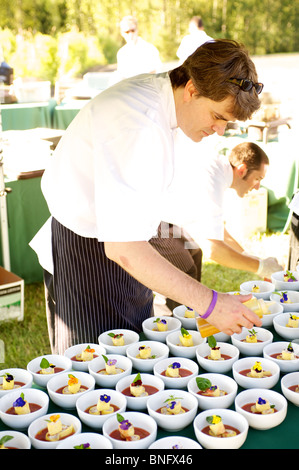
[211, 306]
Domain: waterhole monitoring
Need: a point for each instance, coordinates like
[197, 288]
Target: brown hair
[209, 68]
[250, 154]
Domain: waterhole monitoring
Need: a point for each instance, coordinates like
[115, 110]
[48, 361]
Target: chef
[105, 186]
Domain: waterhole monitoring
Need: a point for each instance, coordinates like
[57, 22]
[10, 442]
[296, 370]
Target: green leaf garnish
[184, 332]
[203, 384]
[105, 358]
[210, 419]
[119, 417]
[171, 398]
[5, 439]
[44, 363]
[138, 377]
[212, 342]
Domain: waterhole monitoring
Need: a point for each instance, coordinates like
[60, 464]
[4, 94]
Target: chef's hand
[230, 315]
[267, 267]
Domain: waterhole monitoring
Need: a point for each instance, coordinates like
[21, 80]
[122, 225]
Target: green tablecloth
[64, 113]
[284, 436]
[23, 116]
[26, 211]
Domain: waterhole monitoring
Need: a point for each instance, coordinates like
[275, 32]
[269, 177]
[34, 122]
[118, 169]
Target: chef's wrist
[211, 306]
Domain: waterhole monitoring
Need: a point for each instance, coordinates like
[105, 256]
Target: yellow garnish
[54, 418]
[73, 380]
[89, 350]
[216, 419]
[257, 366]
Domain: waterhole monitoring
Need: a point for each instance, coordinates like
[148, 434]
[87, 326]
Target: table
[64, 113]
[23, 116]
[284, 436]
[27, 211]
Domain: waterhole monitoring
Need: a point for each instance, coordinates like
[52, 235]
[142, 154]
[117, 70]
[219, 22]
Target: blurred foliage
[88, 30]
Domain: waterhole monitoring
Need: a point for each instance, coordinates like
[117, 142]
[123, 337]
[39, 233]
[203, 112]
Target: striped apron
[91, 294]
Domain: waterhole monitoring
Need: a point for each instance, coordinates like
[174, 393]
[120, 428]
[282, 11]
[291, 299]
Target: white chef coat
[191, 42]
[134, 59]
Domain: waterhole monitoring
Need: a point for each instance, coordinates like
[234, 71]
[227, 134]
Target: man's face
[199, 117]
[249, 181]
[129, 32]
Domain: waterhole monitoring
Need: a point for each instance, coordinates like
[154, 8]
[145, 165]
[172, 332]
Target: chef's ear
[241, 170]
[190, 91]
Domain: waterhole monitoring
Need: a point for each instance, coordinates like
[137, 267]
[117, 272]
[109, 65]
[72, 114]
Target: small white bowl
[41, 423]
[20, 375]
[172, 423]
[286, 332]
[91, 398]
[151, 332]
[130, 337]
[229, 418]
[293, 296]
[266, 289]
[42, 379]
[31, 395]
[274, 309]
[175, 443]
[287, 381]
[139, 403]
[138, 420]
[173, 342]
[159, 351]
[77, 349]
[217, 366]
[187, 323]
[95, 441]
[222, 381]
[109, 381]
[264, 337]
[259, 421]
[280, 284]
[176, 382]
[68, 401]
[284, 365]
[252, 382]
[19, 441]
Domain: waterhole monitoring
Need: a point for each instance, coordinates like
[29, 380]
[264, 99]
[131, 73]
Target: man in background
[206, 181]
[137, 55]
[196, 37]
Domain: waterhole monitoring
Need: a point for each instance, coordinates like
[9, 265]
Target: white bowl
[286, 332]
[109, 381]
[259, 421]
[22, 421]
[280, 284]
[284, 365]
[287, 381]
[274, 309]
[42, 379]
[91, 398]
[252, 382]
[159, 351]
[173, 342]
[175, 442]
[130, 337]
[172, 423]
[77, 349]
[221, 337]
[95, 441]
[19, 441]
[224, 382]
[139, 403]
[293, 296]
[217, 366]
[229, 418]
[20, 375]
[68, 401]
[41, 423]
[138, 420]
[176, 382]
[266, 289]
[187, 323]
[150, 328]
[264, 337]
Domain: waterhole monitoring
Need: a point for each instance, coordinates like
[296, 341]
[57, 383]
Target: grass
[28, 339]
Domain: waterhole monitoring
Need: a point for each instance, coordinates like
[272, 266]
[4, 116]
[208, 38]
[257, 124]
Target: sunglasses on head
[246, 85]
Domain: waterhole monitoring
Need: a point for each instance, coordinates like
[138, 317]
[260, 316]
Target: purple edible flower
[105, 398]
[125, 425]
[163, 321]
[19, 402]
[171, 405]
[111, 362]
[176, 365]
[261, 401]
